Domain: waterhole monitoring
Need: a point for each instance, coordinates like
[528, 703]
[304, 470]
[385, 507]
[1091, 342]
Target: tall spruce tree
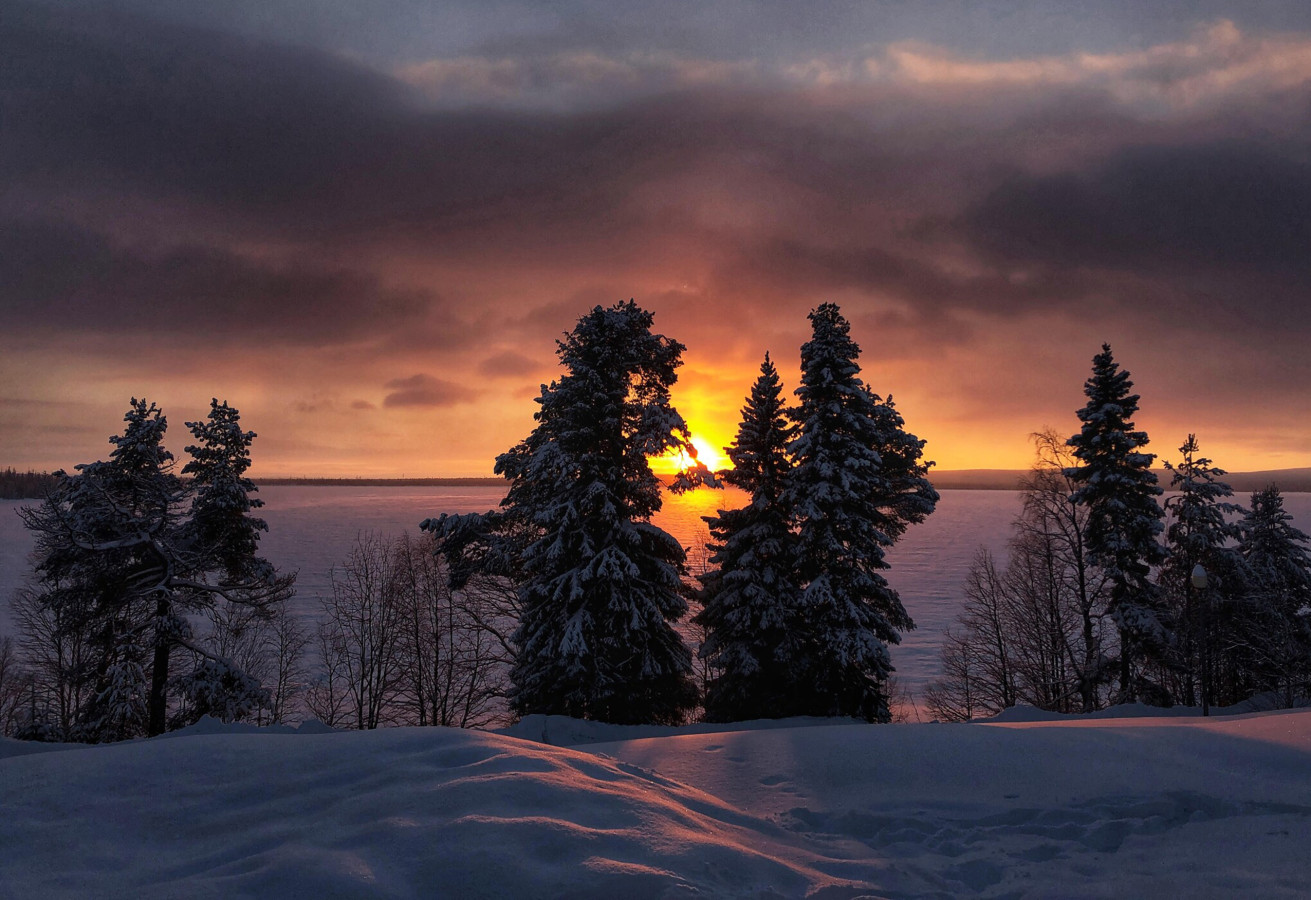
[858, 482]
[600, 587]
[1277, 626]
[751, 597]
[106, 542]
[1199, 533]
[1116, 484]
[238, 585]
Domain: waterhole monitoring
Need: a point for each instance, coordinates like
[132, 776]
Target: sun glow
[707, 454]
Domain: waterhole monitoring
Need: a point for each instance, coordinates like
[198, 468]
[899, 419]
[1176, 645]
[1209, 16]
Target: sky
[365, 224]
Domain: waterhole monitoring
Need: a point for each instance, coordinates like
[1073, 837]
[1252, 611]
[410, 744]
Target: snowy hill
[1143, 807]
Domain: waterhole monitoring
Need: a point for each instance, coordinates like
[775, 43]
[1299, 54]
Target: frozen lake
[311, 529]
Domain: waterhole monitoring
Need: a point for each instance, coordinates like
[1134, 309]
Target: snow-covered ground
[1107, 807]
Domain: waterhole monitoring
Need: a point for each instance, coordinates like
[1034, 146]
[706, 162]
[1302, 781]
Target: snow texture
[1159, 807]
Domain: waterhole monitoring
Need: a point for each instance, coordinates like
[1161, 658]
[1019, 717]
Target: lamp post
[1198, 580]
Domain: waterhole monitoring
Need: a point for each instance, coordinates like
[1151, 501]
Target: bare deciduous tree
[59, 654]
[13, 681]
[1034, 632]
[399, 646]
[268, 645]
[455, 643]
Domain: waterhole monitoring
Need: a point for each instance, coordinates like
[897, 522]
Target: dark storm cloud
[443, 188]
[301, 142]
[297, 145]
[386, 31]
[788, 267]
[1213, 205]
[1214, 228]
[425, 390]
[59, 277]
[290, 142]
[116, 94]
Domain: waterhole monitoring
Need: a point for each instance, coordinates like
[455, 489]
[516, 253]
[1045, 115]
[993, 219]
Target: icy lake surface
[311, 529]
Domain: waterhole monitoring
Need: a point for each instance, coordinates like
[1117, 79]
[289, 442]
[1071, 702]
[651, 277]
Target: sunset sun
[708, 453]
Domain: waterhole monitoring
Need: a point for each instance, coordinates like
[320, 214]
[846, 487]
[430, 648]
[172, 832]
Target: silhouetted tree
[978, 676]
[1031, 632]
[751, 598]
[858, 482]
[221, 522]
[1115, 482]
[599, 586]
[1277, 618]
[1051, 529]
[1200, 533]
[123, 561]
[13, 684]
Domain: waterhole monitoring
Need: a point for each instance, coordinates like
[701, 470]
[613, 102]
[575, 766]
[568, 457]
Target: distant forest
[384, 482]
[1289, 481]
[15, 485]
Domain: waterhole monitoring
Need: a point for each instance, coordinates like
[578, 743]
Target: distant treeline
[33, 485]
[1289, 481]
[15, 485]
[385, 482]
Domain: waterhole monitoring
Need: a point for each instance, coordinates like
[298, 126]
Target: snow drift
[1090, 808]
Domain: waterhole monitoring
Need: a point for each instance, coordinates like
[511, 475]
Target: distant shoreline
[382, 482]
[1289, 481]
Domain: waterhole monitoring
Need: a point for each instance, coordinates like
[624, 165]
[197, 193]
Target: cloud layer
[187, 211]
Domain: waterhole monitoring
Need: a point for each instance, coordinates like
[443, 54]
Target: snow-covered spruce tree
[222, 526]
[1115, 482]
[106, 544]
[751, 596]
[1199, 533]
[858, 481]
[242, 593]
[599, 586]
[122, 564]
[1277, 627]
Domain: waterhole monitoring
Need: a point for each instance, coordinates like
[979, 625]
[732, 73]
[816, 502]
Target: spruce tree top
[1115, 480]
[604, 418]
[135, 489]
[1107, 434]
[1200, 514]
[1276, 550]
[852, 444]
[139, 450]
[221, 522]
[759, 452]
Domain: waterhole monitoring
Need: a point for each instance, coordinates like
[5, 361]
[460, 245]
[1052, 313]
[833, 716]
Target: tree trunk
[158, 704]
